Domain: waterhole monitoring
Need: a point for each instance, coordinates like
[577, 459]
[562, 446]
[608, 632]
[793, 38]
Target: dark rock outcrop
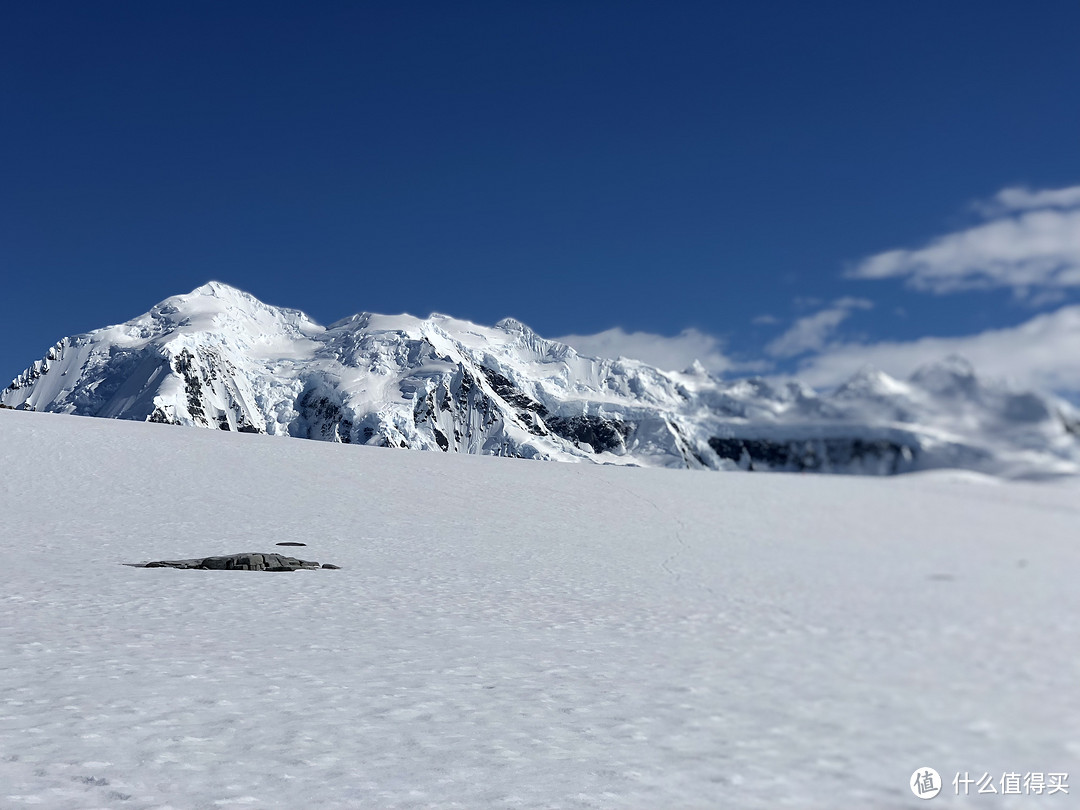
[599, 432]
[239, 562]
[878, 456]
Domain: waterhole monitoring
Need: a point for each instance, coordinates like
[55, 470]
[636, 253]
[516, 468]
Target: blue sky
[772, 187]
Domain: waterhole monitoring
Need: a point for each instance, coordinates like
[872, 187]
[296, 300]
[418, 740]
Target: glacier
[220, 358]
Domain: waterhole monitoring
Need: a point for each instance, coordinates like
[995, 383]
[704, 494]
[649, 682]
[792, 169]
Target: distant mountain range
[220, 358]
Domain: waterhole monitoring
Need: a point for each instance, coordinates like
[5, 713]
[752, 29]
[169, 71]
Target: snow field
[517, 634]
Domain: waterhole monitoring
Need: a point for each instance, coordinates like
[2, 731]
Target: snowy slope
[219, 358]
[508, 634]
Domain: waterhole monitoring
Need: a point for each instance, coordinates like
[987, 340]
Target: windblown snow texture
[504, 634]
[219, 358]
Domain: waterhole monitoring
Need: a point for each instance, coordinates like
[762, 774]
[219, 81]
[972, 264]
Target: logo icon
[925, 783]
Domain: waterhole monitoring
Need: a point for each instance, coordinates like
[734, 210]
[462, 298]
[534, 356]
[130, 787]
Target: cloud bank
[668, 353]
[1042, 353]
[811, 333]
[1029, 243]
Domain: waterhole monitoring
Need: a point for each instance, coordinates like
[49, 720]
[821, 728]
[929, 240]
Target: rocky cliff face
[219, 358]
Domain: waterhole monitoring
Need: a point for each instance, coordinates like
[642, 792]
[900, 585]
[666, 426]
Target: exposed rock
[441, 440]
[598, 432]
[249, 561]
[814, 455]
[510, 393]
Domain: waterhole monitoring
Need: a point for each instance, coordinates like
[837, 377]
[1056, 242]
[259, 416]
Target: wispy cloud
[1012, 200]
[1040, 354]
[812, 332]
[670, 353]
[1030, 243]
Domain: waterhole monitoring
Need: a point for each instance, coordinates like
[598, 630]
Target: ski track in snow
[676, 533]
[517, 634]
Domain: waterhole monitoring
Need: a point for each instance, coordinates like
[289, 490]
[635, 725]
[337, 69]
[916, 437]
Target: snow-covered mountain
[220, 358]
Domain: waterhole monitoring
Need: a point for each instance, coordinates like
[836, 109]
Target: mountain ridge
[218, 357]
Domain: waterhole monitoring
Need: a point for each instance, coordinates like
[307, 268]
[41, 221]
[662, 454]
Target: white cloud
[811, 333]
[1029, 243]
[1012, 200]
[1042, 353]
[668, 353]
[765, 320]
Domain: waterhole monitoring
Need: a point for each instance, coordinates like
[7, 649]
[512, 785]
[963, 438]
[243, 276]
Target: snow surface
[512, 634]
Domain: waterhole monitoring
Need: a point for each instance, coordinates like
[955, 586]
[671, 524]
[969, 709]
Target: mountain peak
[952, 375]
[223, 292]
[870, 381]
[216, 305]
[513, 325]
[219, 289]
